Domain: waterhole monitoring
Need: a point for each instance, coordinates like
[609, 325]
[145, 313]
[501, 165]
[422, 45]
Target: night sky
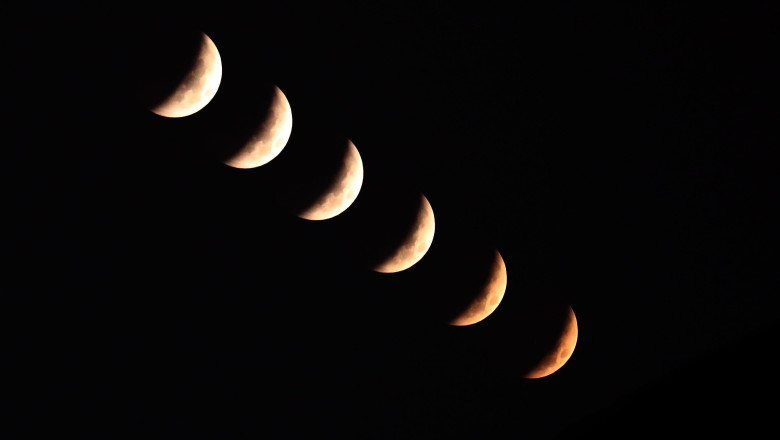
[617, 156]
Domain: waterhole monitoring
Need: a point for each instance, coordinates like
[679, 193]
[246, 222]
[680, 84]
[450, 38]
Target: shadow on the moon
[240, 108]
[539, 317]
[314, 158]
[457, 270]
[161, 58]
[382, 220]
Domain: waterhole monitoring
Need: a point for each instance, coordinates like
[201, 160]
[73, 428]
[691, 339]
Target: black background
[618, 156]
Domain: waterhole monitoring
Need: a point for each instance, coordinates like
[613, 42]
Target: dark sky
[617, 156]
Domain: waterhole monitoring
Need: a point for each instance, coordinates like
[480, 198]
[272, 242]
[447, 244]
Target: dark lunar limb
[161, 58]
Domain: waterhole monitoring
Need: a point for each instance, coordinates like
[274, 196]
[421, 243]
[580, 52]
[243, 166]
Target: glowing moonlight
[198, 87]
[488, 299]
[269, 138]
[342, 192]
[415, 245]
[560, 353]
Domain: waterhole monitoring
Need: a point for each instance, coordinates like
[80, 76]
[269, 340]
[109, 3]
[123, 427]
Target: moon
[560, 353]
[336, 198]
[199, 85]
[269, 138]
[488, 299]
[415, 245]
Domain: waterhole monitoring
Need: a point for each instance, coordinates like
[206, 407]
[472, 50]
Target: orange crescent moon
[270, 137]
[198, 87]
[342, 192]
[416, 244]
[488, 299]
[563, 350]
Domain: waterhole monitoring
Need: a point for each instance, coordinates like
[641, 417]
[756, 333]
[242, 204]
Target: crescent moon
[269, 138]
[415, 245]
[488, 299]
[199, 85]
[342, 192]
[561, 353]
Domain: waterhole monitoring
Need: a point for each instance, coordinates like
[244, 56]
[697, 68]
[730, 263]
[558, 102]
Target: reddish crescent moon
[269, 138]
[488, 299]
[199, 85]
[342, 192]
[415, 245]
[560, 353]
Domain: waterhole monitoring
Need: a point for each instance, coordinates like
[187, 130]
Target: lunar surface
[342, 192]
[561, 353]
[269, 139]
[415, 245]
[488, 299]
[198, 87]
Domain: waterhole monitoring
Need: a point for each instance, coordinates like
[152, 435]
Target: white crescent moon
[342, 192]
[488, 299]
[416, 244]
[198, 87]
[270, 137]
